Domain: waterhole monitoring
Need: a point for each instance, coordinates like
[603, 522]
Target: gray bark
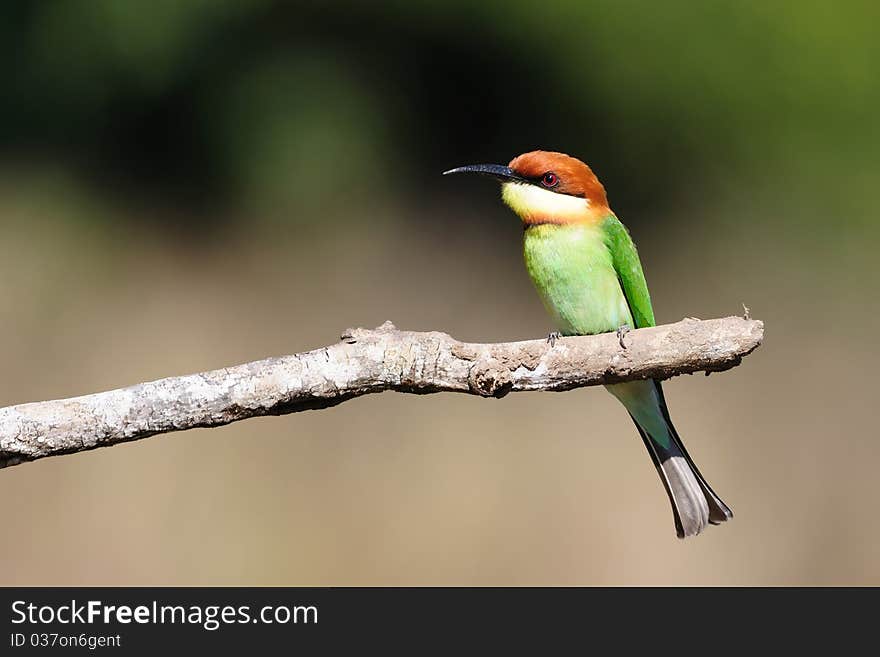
[363, 362]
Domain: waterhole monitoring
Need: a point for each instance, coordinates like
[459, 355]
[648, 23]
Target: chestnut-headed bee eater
[585, 267]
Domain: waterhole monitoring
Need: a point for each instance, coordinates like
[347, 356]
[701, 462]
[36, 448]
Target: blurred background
[190, 185]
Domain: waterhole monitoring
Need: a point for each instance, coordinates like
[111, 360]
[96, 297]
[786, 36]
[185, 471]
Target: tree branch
[364, 362]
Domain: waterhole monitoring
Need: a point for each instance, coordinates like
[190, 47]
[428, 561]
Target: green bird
[587, 271]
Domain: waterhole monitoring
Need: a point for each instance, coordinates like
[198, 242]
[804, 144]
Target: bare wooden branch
[363, 362]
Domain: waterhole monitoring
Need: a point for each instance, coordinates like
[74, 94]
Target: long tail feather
[694, 504]
[718, 511]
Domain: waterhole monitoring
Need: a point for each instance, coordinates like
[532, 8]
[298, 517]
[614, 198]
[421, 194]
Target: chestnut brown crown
[562, 174]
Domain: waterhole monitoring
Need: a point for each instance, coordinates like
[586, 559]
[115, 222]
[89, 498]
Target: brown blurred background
[185, 186]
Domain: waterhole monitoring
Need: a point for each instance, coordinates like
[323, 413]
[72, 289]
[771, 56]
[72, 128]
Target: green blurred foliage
[302, 124]
[283, 107]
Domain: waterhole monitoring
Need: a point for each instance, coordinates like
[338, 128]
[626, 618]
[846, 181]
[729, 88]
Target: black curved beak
[497, 171]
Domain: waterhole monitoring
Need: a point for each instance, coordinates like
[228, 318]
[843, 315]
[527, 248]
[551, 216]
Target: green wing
[629, 271]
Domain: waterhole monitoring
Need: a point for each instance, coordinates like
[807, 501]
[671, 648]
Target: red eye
[550, 179]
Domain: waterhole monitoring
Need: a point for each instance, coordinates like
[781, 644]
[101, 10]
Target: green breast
[572, 270]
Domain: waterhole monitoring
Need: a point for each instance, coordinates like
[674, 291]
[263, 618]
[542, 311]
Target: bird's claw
[622, 331]
[552, 337]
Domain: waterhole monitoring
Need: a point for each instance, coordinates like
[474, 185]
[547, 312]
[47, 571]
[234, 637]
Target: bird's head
[545, 187]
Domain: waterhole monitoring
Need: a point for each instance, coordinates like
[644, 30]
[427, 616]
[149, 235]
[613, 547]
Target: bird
[585, 267]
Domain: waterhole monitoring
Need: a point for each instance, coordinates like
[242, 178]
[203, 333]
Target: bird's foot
[622, 331]
[552, 337]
